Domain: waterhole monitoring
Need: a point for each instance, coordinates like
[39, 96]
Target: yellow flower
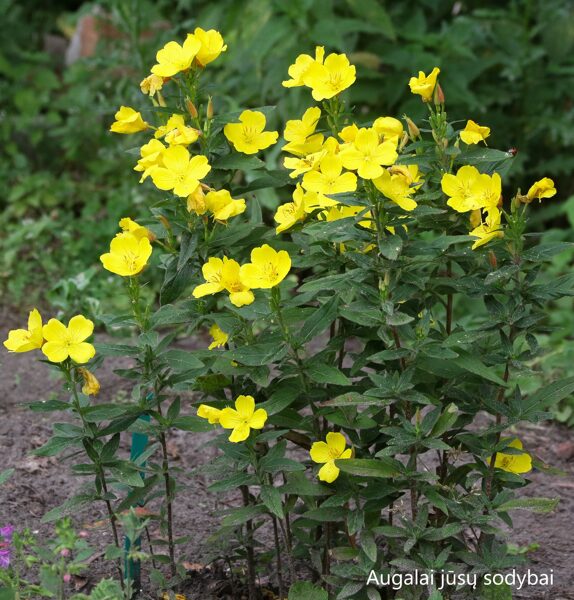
[299, 166]
[267, 268]
[366, 154]
[177, 132]
[196, 201]
[151, 84]
[327, 453]
[24, 340]
[349, 133]
[290, 213]
[330, 78]
[329, 179]
[488, 230]
[63, 342]
[91, 385]
[544, 188]
[208, 412]
[470, 190]
[128, 120]
[223, 206]
[397, 187]
[248, 136]
[219, 337]
[311, 145]
[341, 211]
[424, 85]
[151, 156]
[180, 172]
[300, 133]
[314, 201]
[139, 231]
[173, 58]
[389, 129]
[298, 130]
[243, 419]
[128, 255]
[239, 293]
[299, 68]
[212, 45]
[514, 463]
[474, 133]
[212, 273]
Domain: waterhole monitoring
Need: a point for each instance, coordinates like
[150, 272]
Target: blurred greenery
[67, 181]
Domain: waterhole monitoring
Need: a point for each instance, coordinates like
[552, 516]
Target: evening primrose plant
[368, 335]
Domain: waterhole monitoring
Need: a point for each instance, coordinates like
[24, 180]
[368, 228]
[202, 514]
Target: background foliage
[507, 65]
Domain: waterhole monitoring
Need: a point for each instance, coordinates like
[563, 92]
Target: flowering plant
[357, 339]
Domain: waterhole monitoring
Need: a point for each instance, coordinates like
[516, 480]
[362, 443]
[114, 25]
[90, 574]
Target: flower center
[270, 271]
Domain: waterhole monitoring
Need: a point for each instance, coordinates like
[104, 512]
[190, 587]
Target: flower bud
[64, 552]
[492, 259]
[91, 385]
[191, 108]
[164, 222]
[438, 96]
[160, 99]
[404, 141]
[67, 578]
[210, 108]
[414, 131]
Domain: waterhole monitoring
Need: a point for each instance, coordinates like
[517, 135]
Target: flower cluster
[241, 419]
[267, 269]
[57, 341]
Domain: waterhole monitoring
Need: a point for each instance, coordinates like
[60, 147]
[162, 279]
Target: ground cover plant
[348, 379]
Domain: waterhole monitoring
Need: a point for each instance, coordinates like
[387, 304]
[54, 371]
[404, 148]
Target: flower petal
[329, 472]
[81, 353]
[245, 405]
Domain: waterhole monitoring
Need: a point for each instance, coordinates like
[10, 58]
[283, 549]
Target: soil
[40, 484]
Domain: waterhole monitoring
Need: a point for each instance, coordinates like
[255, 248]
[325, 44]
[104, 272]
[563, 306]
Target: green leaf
[259, 354]
[373, 11]
[103, 412]
[5, 475]
[55, 445]
[355, 399]
[238, 516]
[233, 482]
[370, 467]
[546, 251]
[537, 505]
[181, 360]
[235, 161]
[495, 592]
[551, 394]
[390, 246]
[271, 497]
[369, 545]
[319, 320]
[282, 397]
[48, 405]
[473, 364]
[299, 485]
[73, 503]
[305, 590]
[170, 314]
[127, 475]
[192, 423]
[328, 513]
[116, 349]
[445, 421]
[322, 373]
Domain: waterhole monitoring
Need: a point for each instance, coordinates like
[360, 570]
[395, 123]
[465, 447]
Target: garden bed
[40, 484]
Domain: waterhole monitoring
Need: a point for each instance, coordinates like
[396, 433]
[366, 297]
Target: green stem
[112, 517]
